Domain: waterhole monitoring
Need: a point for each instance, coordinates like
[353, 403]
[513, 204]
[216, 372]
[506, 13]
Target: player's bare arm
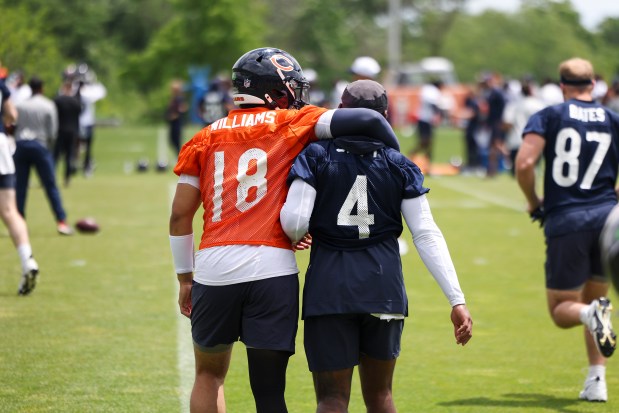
[530, 151]
[185, 204]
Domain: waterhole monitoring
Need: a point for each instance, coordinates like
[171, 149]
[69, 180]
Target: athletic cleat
[29, 277]
[64, 229]
[600, 326]
[594, 390]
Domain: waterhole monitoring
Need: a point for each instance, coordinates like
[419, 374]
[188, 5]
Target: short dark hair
[36, 84]
[365, 94]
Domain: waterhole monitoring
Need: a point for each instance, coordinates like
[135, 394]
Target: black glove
[538, 215]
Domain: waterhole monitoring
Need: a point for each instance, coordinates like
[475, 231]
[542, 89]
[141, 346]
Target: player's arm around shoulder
[361, 122]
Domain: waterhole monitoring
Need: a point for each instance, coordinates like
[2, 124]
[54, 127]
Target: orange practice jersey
[243, 161]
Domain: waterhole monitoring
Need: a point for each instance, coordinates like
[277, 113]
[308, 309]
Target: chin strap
[270, 101]
[281, 103]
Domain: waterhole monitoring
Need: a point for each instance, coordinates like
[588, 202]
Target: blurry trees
[526, 43]
[137, 46]
[28, 45]
[213, 33]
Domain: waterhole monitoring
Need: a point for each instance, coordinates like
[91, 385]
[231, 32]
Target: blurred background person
[363, 67]
[89, 91]
[600, 88]
[14, 222]
[611, 101]
[550, 93]
[515, 117]
[428, 117]
[177, 107]
[472, 119]
[217, 101]
[317, 96]
[20, 90]
[4, 73]
[69, 108]
[496, 101]
[35, 134]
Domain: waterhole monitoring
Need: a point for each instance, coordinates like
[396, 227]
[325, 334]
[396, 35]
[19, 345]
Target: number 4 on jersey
[358, 195]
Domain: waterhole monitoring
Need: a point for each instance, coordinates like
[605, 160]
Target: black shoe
[600, 326]
[29, 278]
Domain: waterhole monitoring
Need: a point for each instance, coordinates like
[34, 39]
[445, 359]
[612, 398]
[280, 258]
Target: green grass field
[101, 332]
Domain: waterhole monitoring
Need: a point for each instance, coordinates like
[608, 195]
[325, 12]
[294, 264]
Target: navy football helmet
[269, 77]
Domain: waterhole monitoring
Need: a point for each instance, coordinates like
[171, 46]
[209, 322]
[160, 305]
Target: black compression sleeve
[267, 377]
[363, 122]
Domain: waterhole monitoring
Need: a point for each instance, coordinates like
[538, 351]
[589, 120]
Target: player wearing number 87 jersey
[245, 285]
[579, 142]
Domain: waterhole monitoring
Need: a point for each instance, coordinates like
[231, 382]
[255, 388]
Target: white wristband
[182, 252]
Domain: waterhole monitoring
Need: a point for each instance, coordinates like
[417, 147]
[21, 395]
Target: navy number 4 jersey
[355, 263]
[581, 154]
[358, 196]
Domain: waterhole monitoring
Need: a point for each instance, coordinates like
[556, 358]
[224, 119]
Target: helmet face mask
[269, 77]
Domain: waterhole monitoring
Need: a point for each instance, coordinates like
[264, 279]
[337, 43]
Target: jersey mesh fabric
[243, 161]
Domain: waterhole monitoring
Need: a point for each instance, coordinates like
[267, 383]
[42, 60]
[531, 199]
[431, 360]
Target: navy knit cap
[365, 94]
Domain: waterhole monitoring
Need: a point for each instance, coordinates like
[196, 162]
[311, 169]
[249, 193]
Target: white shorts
[7, 166]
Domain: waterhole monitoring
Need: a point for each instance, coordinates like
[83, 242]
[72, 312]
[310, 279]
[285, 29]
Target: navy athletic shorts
[336, 341]
[7, 181]
[262, 314]
[425, 130]
[572, 259]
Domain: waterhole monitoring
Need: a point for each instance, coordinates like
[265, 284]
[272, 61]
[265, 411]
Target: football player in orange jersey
[242, 283]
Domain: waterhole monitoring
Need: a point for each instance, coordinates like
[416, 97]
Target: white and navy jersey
[355, 262]
[581, 154]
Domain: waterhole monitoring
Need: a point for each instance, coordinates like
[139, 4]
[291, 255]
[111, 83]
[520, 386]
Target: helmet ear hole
[280, 98]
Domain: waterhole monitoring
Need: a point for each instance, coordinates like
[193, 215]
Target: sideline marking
[482, 196]
[184, 345]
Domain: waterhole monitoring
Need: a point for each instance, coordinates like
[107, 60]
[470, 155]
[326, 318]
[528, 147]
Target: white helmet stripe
[245, 99]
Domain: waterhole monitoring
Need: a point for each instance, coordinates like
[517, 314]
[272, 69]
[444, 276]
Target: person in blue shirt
[350, 196]
[579, 142]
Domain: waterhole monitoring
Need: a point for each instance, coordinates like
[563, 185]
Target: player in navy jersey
[350, 196]
[579, 141]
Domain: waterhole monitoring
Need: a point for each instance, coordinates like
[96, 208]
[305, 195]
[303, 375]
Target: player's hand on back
[303, 244]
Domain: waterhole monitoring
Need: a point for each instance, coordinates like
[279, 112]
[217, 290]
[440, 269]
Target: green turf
[100, 332]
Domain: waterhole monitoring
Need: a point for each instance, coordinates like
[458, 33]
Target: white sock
[25, 252]
[597, 370]
[584, 314]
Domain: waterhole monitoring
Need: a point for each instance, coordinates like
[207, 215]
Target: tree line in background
[137, 46]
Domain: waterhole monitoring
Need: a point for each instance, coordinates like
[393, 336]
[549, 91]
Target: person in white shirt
[515, 118]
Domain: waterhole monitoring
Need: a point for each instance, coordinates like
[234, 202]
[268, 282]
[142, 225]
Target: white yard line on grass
[185, 359]
[474, 192]
[184, 345]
